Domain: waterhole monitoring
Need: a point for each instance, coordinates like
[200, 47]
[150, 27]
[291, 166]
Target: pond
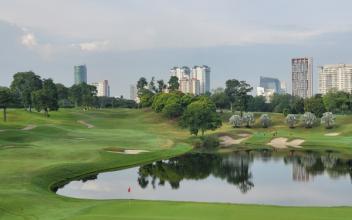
[249, 177]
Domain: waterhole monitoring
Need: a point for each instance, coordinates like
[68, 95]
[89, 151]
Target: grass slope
[60, 148]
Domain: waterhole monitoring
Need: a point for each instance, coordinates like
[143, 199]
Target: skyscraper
[336, 76]
[270, 83]
[133, 92]
[103, 88]
[302, 77]
[80, 74]
[202, 73]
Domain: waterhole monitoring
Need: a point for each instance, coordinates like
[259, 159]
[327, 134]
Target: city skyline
[245, 46]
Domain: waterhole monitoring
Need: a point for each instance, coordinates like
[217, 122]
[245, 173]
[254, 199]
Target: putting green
[59, 148]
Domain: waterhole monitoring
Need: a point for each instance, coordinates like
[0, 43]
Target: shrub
[309, 119]
[328, 120]
[291, 120]
[235, 121]
[286, 111]
[207, 142]
[265, 120]
[248, 119]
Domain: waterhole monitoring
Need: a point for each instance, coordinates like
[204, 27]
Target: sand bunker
[228, 141]
[282, 143]
[29, 127]
[86, 124]
[332, 134]
[128, 151]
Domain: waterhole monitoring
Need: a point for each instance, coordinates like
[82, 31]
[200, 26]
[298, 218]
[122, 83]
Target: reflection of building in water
[299, 173]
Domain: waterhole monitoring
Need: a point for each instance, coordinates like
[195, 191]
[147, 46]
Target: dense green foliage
[201, 116]
[5, 100]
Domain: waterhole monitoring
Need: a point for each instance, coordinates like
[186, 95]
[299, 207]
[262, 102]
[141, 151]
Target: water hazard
[256, 177]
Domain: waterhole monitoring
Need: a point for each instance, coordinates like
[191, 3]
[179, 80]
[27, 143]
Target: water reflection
[260, 177]
[235, 168]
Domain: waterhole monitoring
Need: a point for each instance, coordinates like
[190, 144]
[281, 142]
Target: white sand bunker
[332, 134]
[85, 123]
[282, 143]
[29, 127]
[128, 151]
[228, 141]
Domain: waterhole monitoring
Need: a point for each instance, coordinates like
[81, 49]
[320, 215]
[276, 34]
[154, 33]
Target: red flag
[129, 189]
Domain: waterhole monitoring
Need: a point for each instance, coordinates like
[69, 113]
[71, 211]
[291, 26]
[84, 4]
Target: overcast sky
[122, 40]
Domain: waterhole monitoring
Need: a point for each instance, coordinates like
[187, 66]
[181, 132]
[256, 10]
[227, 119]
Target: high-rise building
[202, 73]
[192, 82]
[283, 87]
[80, 74]
[335, 77]
[302, 77]
[270, 83]
[133, 92]
[268, 87]
[103, 88]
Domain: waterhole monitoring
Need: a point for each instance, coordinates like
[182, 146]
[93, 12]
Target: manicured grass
[59, 149]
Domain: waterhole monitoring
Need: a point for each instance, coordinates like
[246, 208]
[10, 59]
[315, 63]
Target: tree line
[30, 91]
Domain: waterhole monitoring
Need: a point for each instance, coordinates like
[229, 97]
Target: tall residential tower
[80, 74]
[302, 77]
[335, 77]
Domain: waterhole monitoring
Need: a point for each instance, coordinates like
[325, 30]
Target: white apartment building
[202, 73]
[302, 77]
[189, 83]
[103, 88]
[335, 76]
[267, 93]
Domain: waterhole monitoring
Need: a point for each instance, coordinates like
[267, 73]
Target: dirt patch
[244, 135]
[117, 150]
[332, 134]
[85, 124]
[282, 143]
[2, 130]
[228, 141]
[29, 127]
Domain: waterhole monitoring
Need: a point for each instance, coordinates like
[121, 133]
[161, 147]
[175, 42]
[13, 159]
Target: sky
[122, 40]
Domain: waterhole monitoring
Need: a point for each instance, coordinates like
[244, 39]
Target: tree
[265, 120]
[141, 83]
[315, 105]
[309, 119]
[161, 86]
[336, 101]
[5, 100]
[46, 98]
[235, 121]
[24, 84]
[201, 116]
[248, 119]
[258, 104]
[220, 99]
[152, 86]
[82, 95]
[237, 91]
[173, 83]
[291, 120]
[146, 97]
[173, 107]
[328, 120]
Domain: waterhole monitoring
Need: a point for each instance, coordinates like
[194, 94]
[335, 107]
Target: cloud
[29, 40]
[93, 46]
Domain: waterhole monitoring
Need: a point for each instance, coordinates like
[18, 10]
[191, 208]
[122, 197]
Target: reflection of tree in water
[314, 164]
[190, 166]
[233, 168]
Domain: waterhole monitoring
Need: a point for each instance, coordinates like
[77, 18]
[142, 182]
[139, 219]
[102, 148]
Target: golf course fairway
[37, 153]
